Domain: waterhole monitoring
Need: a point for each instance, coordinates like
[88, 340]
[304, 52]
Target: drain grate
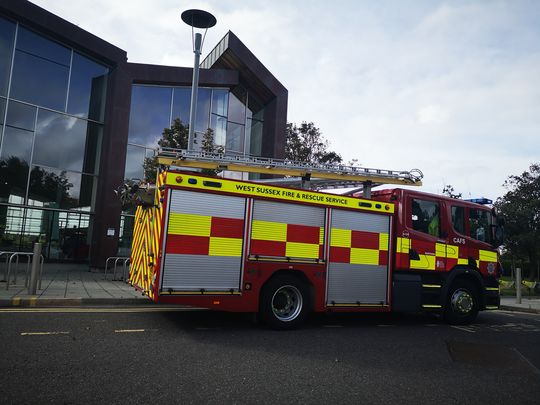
[489, 355]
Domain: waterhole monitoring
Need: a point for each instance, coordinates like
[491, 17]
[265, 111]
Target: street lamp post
[202, 20]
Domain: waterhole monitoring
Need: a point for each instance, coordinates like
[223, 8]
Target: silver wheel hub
[462, 302]
[287, 303]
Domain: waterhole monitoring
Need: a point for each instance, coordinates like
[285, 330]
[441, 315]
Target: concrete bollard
[518, 285]
[36, 258]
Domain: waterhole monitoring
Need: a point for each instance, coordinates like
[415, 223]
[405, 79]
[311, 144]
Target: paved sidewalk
[528, 304]
[69, 284]
[75, 285]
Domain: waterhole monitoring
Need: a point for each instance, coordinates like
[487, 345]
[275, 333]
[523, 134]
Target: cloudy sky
[449, 87]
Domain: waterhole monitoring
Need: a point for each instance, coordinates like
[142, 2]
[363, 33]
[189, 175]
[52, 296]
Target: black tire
[284, 302]
[462, 303]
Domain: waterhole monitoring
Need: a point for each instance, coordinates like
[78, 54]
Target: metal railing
[14, 256]
[125, 265]
[6, 254]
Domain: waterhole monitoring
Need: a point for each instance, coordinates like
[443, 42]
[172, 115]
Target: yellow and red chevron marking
[440, 256]
[195, 234]
[279, 239]
[358, 247]
[145, 246]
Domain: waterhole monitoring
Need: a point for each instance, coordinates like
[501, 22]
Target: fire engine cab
[284, 252]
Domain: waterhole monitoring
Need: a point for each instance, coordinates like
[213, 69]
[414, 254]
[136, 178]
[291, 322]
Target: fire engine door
[358, 259]
[204, 241]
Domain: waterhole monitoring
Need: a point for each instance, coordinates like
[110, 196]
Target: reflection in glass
[35, 44]
[21, 115]
[181, 104]
[60, 141]
[93, 146]
[134, 162]
[18, 143]
[235, 138]
[39, 81]
[237, 110]
[220, 101]
[52, 188]
[255, 136]
[87, 88]
[125, 236]
[7, 36]
[2, 109]
[13, 179]
[203, 110]
[150, 114]
[219, 125]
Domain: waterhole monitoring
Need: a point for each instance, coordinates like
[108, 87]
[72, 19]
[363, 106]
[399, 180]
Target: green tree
[520, 207]
[305, 143]
[449, 191]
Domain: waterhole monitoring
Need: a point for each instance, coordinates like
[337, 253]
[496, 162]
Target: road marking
[463, 328]
[98, 310]
[129, 330]
[43, 333]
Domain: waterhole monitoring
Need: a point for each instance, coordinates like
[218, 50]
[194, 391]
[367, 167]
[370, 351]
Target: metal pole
[194, 90]
[518, 285]
[36, 259]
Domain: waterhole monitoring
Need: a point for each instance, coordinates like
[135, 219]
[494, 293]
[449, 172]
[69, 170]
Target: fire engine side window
[480, 224]
[458, 219]
[425, 217]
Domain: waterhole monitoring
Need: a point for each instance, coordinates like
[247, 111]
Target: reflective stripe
[364, 256]
[340, 237]
[189, 224]
[266, 230]
[492, 307]
[403, 245]
[383, 241]
[302, 250]
[431, 306]
[492, 289]
[487, 256]
[431, 286]
[225, 247]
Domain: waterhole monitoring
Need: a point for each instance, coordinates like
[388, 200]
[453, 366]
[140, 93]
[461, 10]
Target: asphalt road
[134, 355]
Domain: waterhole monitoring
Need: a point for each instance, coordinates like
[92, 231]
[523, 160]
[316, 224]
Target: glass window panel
[125, 236]
[150, 114]
[21, 115]
[39, 81]
[53, 188]
[13, 179]
[480, 225]
[35, 44]
[219, 125]
[60, 141]
[92, 148]
[237, 110]
[425, 217]
[2, 109]
[458, 219]
[87, 88]
[134, 162]
[181, 104]
[7, 36]
[220, 101]
[17, 143]
[255, 108]
[255, 129]
[203, 110]
[11, 220]
[235, 138]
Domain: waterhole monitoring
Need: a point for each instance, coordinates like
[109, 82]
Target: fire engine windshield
[480, 222]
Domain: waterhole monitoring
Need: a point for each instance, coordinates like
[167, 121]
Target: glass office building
[76, 120]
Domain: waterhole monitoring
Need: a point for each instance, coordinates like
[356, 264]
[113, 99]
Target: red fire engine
[283, 252]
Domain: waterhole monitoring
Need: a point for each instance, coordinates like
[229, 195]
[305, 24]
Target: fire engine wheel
[284, 302]
[462, 303]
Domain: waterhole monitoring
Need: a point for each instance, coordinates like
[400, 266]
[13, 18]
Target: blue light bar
[482, 201]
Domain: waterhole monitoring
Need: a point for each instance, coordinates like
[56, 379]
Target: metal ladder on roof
[296, 174]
